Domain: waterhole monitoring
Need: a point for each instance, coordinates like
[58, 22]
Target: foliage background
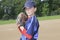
[9, 9]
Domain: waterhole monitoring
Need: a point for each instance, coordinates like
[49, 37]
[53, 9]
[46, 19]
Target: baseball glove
[21, 19]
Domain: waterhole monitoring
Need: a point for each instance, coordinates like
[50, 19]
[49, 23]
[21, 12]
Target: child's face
[30, 11]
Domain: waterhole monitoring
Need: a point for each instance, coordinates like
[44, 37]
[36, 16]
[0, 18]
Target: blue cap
[29, 4]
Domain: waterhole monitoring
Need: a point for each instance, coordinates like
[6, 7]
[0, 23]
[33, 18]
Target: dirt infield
[49, 30]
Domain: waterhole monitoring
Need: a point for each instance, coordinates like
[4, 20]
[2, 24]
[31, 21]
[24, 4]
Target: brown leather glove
[21, 19]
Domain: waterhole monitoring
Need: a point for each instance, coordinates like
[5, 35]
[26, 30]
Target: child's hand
[22, 28]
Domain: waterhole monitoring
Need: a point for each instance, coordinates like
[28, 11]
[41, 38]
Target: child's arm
[23, 31]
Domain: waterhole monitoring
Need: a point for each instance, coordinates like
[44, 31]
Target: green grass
[39, 18]
[7, 21]
[49, 17]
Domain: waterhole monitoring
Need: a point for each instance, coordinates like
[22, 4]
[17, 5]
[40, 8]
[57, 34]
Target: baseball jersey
[31, 26]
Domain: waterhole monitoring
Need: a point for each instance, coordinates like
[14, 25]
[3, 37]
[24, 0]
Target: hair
[35, 6]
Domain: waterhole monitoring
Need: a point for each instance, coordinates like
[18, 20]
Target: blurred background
[46, 10]
[9, 9]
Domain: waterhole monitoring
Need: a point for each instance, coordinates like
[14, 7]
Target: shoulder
[33, 18]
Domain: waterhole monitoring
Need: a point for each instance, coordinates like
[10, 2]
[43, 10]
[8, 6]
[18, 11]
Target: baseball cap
[29, 4]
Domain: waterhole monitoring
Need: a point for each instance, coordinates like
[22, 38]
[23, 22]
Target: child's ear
[35, 9]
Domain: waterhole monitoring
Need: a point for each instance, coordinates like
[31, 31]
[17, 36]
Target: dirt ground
[49, 30]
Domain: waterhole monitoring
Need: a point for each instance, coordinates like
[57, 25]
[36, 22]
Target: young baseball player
[30, 30]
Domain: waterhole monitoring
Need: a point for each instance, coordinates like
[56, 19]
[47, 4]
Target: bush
[5, 17]
[1, 13]
[56, 12]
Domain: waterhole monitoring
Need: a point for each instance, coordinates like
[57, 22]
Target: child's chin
[29, 14]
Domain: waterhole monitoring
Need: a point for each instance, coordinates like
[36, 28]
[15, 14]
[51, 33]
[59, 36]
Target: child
[30, 31]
